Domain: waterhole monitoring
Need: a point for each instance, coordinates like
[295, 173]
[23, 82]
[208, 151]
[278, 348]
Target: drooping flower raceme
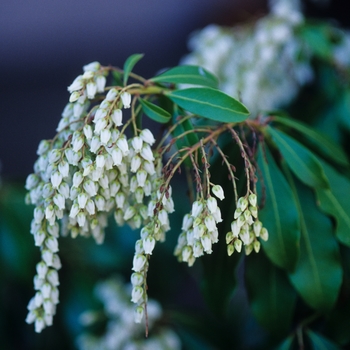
[89, 170]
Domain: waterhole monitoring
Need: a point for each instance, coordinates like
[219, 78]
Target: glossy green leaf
[187, 75]
[271, 296]
[325, 145]
[129, 65]
[318, 273]
[210, 103]
[301, 160]
[279, 214]
[335, 201]
[319, 342]
[155, 112]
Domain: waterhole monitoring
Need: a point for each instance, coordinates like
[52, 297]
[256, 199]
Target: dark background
[44, 44]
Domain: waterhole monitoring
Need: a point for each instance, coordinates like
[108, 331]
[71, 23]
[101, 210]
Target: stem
[228, 165]
[206, 167]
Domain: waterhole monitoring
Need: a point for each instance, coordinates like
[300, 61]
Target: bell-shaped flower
[100, 83]
[136, 294]
[112, 94]
[212, 204]
[56, 179]
[91, 89]
[138, 314]
[206, 243]
[123, 145]
[105, 136]
[117, 117]
[148, 244]
[210, 223]
[146, 153]
[218, 192]
[197, 208]
[147, 136]
[138, 262]
[187, 222]
[141, 177]
[126, 99]
[137, 143]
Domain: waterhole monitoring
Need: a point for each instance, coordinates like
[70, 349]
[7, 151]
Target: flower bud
[230, 249]
[248, 249]
[148, 244]
[212, 204]
[136, 279]
[138, 314]
[218, 192]
[252, 199]
[112, 94]
[238, 245]
[147, 136]
[117, 117]
[256, 246]
[264, 234]
[242, 203]
[126, 99]
[139, 262]
[229, 237]
[186, 253]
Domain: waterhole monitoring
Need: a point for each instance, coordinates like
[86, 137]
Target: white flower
[59, 201]
[39, 325]
[129, 213]
[135, 164]
[206, 242]
[52, 277]
[100, 125]
[93, 66]
[141, 177]
[210, 223]
[218, 192]
[117, 117]
[126, 99]
[41, 269]
[63, 168]
[39, 214]
[105, 136]
[112, 94]
[186, 253]
[147, 136]
[91, 89]
[54, 156]
[52, 244]
[187, 222]
[56, 179]
[123, 145]
[197, 208]
[146, 153]
[117, 156]
[100, 203]
[137, 143]
[212, 204]
[148, 244]
[136, 279]
[90, 188]
[77, 84]
[136, 294]
[100, 161]
[139, 262]
[138, 314]
[101, 83]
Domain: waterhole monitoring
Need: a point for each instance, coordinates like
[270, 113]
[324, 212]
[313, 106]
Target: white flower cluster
[264, 65]
[158, 209]
[199, 229]
[89, 170]
[122, 333]
[246, 228]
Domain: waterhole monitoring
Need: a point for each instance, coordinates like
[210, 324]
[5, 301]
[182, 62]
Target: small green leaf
[117, 78]
[318, 273]
[301, 160]
[335, 201]
[279, 215]
[271, 296]
[187, 75]
[129, 65]
[155, 112]
[319, 342]
[210, 103]
[321, 141]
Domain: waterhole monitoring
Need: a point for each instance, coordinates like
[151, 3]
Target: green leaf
[319, 342]
[325, 145]
[279, 214]
[187, 75]
[210, 103]
[271, 297]
[155, 112]
[318, 273]
[129, 65]
[335, 201]
[301, 160]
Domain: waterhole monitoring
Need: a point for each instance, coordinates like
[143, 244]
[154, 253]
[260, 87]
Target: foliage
[260, 197]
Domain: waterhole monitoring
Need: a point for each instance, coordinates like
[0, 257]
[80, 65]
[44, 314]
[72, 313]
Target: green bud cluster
[246, 227]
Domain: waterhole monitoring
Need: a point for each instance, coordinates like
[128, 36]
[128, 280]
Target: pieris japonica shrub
[265, 189]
